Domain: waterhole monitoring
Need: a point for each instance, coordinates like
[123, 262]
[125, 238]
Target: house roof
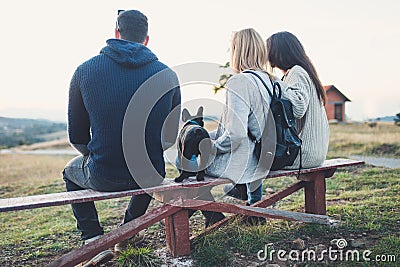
[333, 88]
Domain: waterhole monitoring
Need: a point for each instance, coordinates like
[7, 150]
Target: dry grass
[360, 139]
[362, 133]
[54, 144]
[27, 169]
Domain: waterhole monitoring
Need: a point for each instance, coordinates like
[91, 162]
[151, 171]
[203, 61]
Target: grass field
[360, 139]
[366, 201]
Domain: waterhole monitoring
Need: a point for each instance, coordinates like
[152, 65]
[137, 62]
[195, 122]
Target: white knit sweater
[245, 109]
[310, 114]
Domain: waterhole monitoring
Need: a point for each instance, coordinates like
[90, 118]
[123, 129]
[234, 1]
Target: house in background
[335, 104]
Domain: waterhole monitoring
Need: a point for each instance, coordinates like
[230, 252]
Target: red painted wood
[320, 196]
[108, 240]
[327, 165]
[330, 173]
[177, 233]
[314, 191]
[64, 198]
[309, 196]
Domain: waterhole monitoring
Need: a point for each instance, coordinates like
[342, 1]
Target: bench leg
[177, 233]
[314, 190]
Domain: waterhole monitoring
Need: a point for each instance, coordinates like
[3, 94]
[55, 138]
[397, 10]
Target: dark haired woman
[305, 92]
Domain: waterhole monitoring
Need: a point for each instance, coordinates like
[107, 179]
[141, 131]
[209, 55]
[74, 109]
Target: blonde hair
[248, 51]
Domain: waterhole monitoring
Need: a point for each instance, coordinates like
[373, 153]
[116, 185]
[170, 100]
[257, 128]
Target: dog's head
[196, 119]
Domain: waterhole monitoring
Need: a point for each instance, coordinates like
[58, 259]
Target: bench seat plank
[64, 198]
[327, 165]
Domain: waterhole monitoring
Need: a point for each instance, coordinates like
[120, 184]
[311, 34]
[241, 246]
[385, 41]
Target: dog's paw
[200, 176]
[179, 179]
[182, 177]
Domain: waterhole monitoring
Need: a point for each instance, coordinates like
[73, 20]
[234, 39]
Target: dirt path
[379, 161]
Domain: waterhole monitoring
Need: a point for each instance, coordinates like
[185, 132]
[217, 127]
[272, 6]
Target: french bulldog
[193, 142]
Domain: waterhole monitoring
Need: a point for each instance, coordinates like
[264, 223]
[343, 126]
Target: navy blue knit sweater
[100, 91]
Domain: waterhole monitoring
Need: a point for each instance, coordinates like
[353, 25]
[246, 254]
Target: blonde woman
[247, 107]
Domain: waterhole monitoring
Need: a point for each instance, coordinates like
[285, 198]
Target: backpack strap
[249, 134]
[300, 164]
[252, 137]
[300, 156]
[272, 95]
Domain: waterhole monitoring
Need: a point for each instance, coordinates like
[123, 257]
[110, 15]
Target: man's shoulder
[158, 65]
[161, 68]
[153, 67]
[161, 65]
[91, 62]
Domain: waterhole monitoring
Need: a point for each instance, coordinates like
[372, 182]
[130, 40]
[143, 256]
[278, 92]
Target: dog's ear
[200, 112]
[185, 115]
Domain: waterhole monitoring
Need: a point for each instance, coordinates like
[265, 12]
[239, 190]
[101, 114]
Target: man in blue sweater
[100, 92]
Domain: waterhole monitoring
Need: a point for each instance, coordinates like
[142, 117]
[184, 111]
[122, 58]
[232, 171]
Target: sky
[353, 45]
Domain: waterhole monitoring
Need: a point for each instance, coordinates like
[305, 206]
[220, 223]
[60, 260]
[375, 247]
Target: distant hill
[386, 119]
[20, 123]
[16, 132]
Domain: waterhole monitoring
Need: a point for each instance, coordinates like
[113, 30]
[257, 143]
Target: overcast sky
[353, 45]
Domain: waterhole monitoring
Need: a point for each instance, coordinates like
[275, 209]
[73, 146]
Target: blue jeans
[253, 196]
[77, 177]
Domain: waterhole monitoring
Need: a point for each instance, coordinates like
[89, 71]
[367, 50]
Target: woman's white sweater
[311, 121]
[246, 109]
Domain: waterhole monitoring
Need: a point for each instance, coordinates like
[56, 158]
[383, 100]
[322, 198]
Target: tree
[222, 79]
[397, 120]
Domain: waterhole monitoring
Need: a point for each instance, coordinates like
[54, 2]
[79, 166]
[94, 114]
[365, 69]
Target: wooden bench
[179, 198]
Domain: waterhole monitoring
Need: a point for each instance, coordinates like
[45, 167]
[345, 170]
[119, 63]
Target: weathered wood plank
[121, 233]
[327, 165]
[177, 233]
[64, 198]
[255, 211]
[320, 196]
[315, 191]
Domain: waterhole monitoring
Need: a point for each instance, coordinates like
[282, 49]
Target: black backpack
[288, 143]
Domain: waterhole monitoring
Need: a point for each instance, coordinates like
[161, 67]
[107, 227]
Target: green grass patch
[138, 257]
[213, 249]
